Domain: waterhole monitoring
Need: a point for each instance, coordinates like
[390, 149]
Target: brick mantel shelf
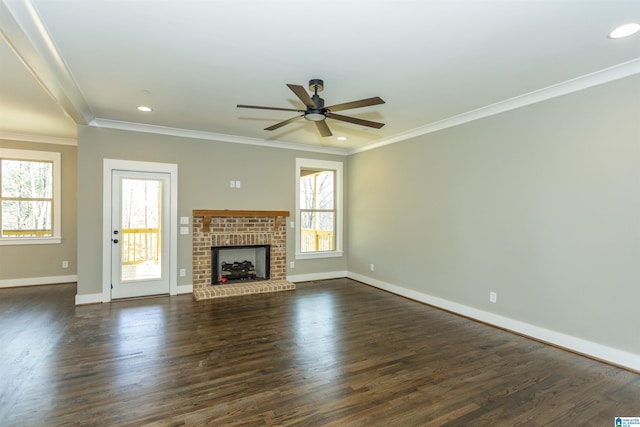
[206, 214]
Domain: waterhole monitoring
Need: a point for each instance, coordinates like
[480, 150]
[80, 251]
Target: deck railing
[26, 233]
[316, 240]
[140, 245]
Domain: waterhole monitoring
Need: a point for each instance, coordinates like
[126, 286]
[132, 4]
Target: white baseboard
[35, 281]
[89, 299]
[184, 289]
[98, 298]
[316, 276]
[578, 345]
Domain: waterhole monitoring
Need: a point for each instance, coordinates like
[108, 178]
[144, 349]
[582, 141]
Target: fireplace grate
[238, 270]
[233, 264]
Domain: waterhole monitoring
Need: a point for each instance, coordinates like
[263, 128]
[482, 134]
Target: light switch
[184, 230]
[237, 184]
[184, 220]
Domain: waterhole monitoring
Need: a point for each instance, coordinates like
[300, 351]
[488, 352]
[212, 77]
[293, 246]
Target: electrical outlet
[183, 272]
[371, 267]
[493, 297]
[292, 264]
[65, 264]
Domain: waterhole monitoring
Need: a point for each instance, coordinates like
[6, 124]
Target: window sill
[12, 241]
[317, 255]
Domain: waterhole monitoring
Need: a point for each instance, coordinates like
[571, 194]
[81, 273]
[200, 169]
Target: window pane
[317, 190]
[307, 192]
[140, 203]
[29, 196]
[26, 179]
[317, 231]
[324, 188]
[141, 207]
[26, 218]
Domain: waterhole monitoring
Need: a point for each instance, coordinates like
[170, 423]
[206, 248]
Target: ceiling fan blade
[269, 108]
[354, 120]
[302, 94]
[356, 104]
[286, 122]
[323, 128]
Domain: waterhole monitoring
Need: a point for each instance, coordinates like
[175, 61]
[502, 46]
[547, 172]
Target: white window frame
[56, 209]
[339, 183]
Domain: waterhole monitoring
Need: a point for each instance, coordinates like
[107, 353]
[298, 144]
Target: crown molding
[620, 71]
[211, 136]
[10, 136]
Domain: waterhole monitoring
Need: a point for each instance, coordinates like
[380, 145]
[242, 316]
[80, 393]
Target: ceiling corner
[27, 37]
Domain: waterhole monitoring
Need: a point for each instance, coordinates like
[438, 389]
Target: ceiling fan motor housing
[318, 102]
[318, 113]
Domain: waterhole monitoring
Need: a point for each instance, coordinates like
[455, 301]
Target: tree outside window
[26, 198]
[28, 202]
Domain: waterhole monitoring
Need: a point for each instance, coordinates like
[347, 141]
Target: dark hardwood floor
[332, 353]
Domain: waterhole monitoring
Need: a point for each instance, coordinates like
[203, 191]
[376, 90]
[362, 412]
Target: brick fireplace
[217, 228]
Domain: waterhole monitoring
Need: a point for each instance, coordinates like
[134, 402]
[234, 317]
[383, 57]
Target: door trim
[109, 165]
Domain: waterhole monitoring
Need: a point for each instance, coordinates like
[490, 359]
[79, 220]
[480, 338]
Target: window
[318, 208]
[29, 197]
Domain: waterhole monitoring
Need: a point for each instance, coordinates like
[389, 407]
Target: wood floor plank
[332, 353]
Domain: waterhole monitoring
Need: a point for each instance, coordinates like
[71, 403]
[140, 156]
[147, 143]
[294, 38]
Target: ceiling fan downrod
[316, 85]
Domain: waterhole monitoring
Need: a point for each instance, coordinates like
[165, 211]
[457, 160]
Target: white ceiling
[434, 62]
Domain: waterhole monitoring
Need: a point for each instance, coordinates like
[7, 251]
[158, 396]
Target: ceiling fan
[316, 111]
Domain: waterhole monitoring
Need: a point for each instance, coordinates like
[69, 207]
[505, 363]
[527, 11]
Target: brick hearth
[238, 228]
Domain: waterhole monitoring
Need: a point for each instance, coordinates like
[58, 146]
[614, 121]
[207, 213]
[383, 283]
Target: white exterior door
[139, 229]
[140, 234]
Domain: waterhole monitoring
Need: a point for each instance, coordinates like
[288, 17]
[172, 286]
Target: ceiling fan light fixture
[625, 30]
[315, 116]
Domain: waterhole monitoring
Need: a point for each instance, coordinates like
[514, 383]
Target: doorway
[140, 223]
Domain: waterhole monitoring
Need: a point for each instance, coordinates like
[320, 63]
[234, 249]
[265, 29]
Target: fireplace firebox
[235, 264]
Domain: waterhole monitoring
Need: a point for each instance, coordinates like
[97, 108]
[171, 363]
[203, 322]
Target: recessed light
[144, 108]
[625, 30]
[342, 138]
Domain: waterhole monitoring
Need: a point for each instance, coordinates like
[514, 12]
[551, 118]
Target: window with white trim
[29, 197]
[318, 208]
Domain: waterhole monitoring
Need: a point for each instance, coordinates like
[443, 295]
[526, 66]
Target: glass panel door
[139, 240]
